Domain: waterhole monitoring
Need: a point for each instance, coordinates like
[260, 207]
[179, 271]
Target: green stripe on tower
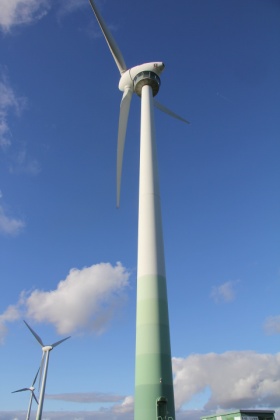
[153, 374]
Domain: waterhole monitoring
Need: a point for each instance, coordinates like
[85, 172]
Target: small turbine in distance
[43, 367]
[31, 389]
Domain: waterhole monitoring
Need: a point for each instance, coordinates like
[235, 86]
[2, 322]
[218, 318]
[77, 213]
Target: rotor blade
[124, 112]
[35, 335]
[19, 390]
[59, 342]
[117, 55]
[34, 396]
[169, 112]
[36, 376]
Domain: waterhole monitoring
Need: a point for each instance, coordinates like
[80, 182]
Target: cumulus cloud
[10, 102]
[9, 225]
[86, 300]
[126, 407]
[224, 292]
[272, 325]
[23, 12]
[19, 12]
[11, 314]
[235, 379]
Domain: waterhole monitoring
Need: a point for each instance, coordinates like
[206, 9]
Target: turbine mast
[46, 350]
[154, 395]
[29, 407]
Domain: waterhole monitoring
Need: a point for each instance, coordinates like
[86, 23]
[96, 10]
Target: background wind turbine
[43, 368]
[154, 396]
[32, 395]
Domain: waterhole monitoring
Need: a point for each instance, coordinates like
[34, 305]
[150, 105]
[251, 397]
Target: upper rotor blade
[124, 112]
[19, 390]
[59, 342]
[35, 335]
[36, 376]
[169, 112]
[110, 40]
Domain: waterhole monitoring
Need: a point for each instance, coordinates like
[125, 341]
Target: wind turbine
[43, 368]
[154, 396]
[32, 395]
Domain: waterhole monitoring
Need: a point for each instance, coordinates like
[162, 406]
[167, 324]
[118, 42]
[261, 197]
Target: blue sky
[68, 256]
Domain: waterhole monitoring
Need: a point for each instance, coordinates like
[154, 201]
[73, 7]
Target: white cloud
[86, 300]
[9, 225]
[272, 325]
[9, 102]
[235, 379]
[224, 292]
[23, 12]
[11, 314]
[19, 12]
[126, 407]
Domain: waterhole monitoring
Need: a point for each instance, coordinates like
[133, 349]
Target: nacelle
[128, 77]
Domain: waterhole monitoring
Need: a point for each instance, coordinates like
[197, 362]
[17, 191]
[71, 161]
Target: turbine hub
[146, 78]
[47, 348]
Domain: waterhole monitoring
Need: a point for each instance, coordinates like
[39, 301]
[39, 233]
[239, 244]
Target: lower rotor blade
[34, 396]
[169, 112]
[124, 112]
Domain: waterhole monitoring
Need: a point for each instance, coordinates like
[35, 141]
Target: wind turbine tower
[32, 395]
[44, 368]
[154, 396]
